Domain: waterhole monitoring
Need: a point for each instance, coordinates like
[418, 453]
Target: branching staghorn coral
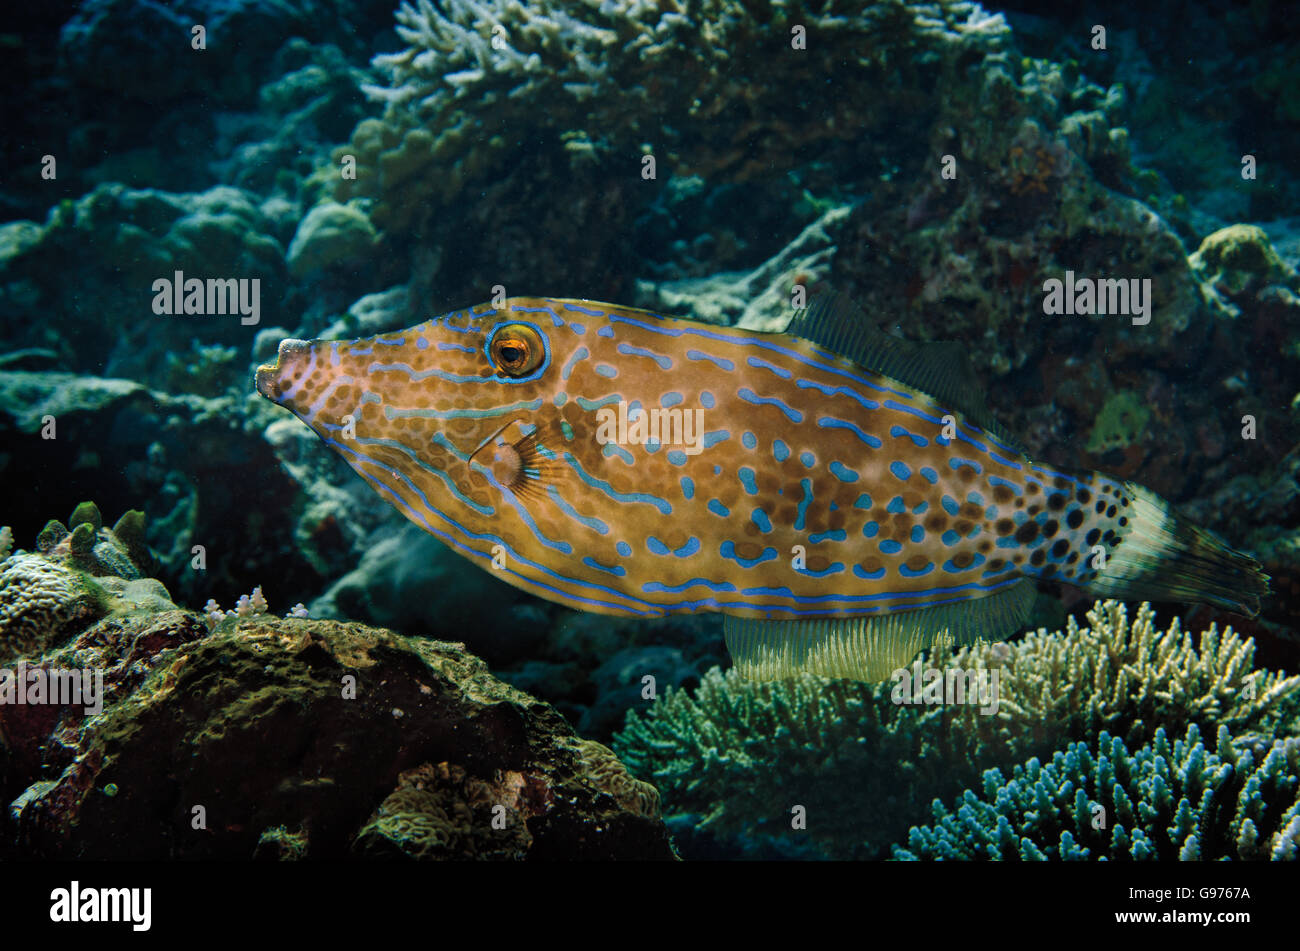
[1126, 678]
[1163, 802]
[482, 80]
[740, 754]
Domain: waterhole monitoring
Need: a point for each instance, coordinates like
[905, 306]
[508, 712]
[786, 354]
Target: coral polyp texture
[600, 79]
[738, 755]
[1164, 801]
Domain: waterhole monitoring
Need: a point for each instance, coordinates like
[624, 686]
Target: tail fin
[1162, 557]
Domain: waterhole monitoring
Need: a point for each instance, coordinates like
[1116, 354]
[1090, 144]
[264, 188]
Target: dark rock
[291, 738]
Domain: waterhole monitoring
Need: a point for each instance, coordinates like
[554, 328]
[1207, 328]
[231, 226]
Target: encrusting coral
[1163, 802]
[738, 755]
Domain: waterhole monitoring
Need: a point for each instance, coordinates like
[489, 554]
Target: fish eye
[516, 349]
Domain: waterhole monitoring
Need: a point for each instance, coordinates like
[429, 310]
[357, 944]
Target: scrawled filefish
[842, 496]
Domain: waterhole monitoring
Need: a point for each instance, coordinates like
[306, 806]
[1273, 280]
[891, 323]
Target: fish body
[628, 463]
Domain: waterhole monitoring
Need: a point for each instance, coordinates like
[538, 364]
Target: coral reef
[735, 756]
[1121, 422]
[1238, 259]
[42, 603]
[1163, 802]
[346, 740]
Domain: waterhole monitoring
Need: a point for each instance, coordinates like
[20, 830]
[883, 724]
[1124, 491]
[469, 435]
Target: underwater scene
[689, 430]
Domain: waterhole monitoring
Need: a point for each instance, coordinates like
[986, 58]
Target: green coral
[484, 80]
[1122, 421]
[331, 235]
[737, 755]
[1164, 802]
[1238, 258]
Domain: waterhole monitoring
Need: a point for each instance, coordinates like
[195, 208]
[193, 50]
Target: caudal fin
[1160, 556]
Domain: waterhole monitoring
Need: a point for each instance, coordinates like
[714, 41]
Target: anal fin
[870, 648]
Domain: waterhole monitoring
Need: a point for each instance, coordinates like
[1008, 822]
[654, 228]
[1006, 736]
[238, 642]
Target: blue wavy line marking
[595, 524]
[665, 362]
[749, 396]
[578, 355]
[834, 534]
[806, 485]
[657, 586]
[830, 422]
[722, 363]
[728, 550]
[834, 569]
[762, 364]
[661, 504]
[590, 562]
[995, 480]
[397, 412]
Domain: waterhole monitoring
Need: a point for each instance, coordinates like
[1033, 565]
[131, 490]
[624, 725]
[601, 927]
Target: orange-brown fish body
[783, 481]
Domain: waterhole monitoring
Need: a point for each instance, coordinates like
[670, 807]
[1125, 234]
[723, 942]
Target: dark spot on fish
[917, 562]
[1123, 520]
[1037, 558]
[749, 550]
[1100, 506]
[1084, 495]
[985, 545]
[818, 562]
[1032, 488]
[1004, 526]
[962, 527]
[1092, 536]
[972, 511]
[997, 564]
[1050, 529]
[936, 522]
[1002, 494]
[966, 474]
[751, 528]
[1061, 482]
[1056, 502]
[872, 565]
[963, 559]
[1075, 518]
[1060, 548]
[1027, 532]
[1074, 556]
[1017, 559]
[1110, 512]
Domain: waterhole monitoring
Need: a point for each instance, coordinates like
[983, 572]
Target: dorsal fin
[941, 371]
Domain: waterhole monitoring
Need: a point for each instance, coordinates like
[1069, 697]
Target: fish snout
[274, 380]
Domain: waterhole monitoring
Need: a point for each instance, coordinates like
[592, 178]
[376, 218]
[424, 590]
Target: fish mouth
[269, 378]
